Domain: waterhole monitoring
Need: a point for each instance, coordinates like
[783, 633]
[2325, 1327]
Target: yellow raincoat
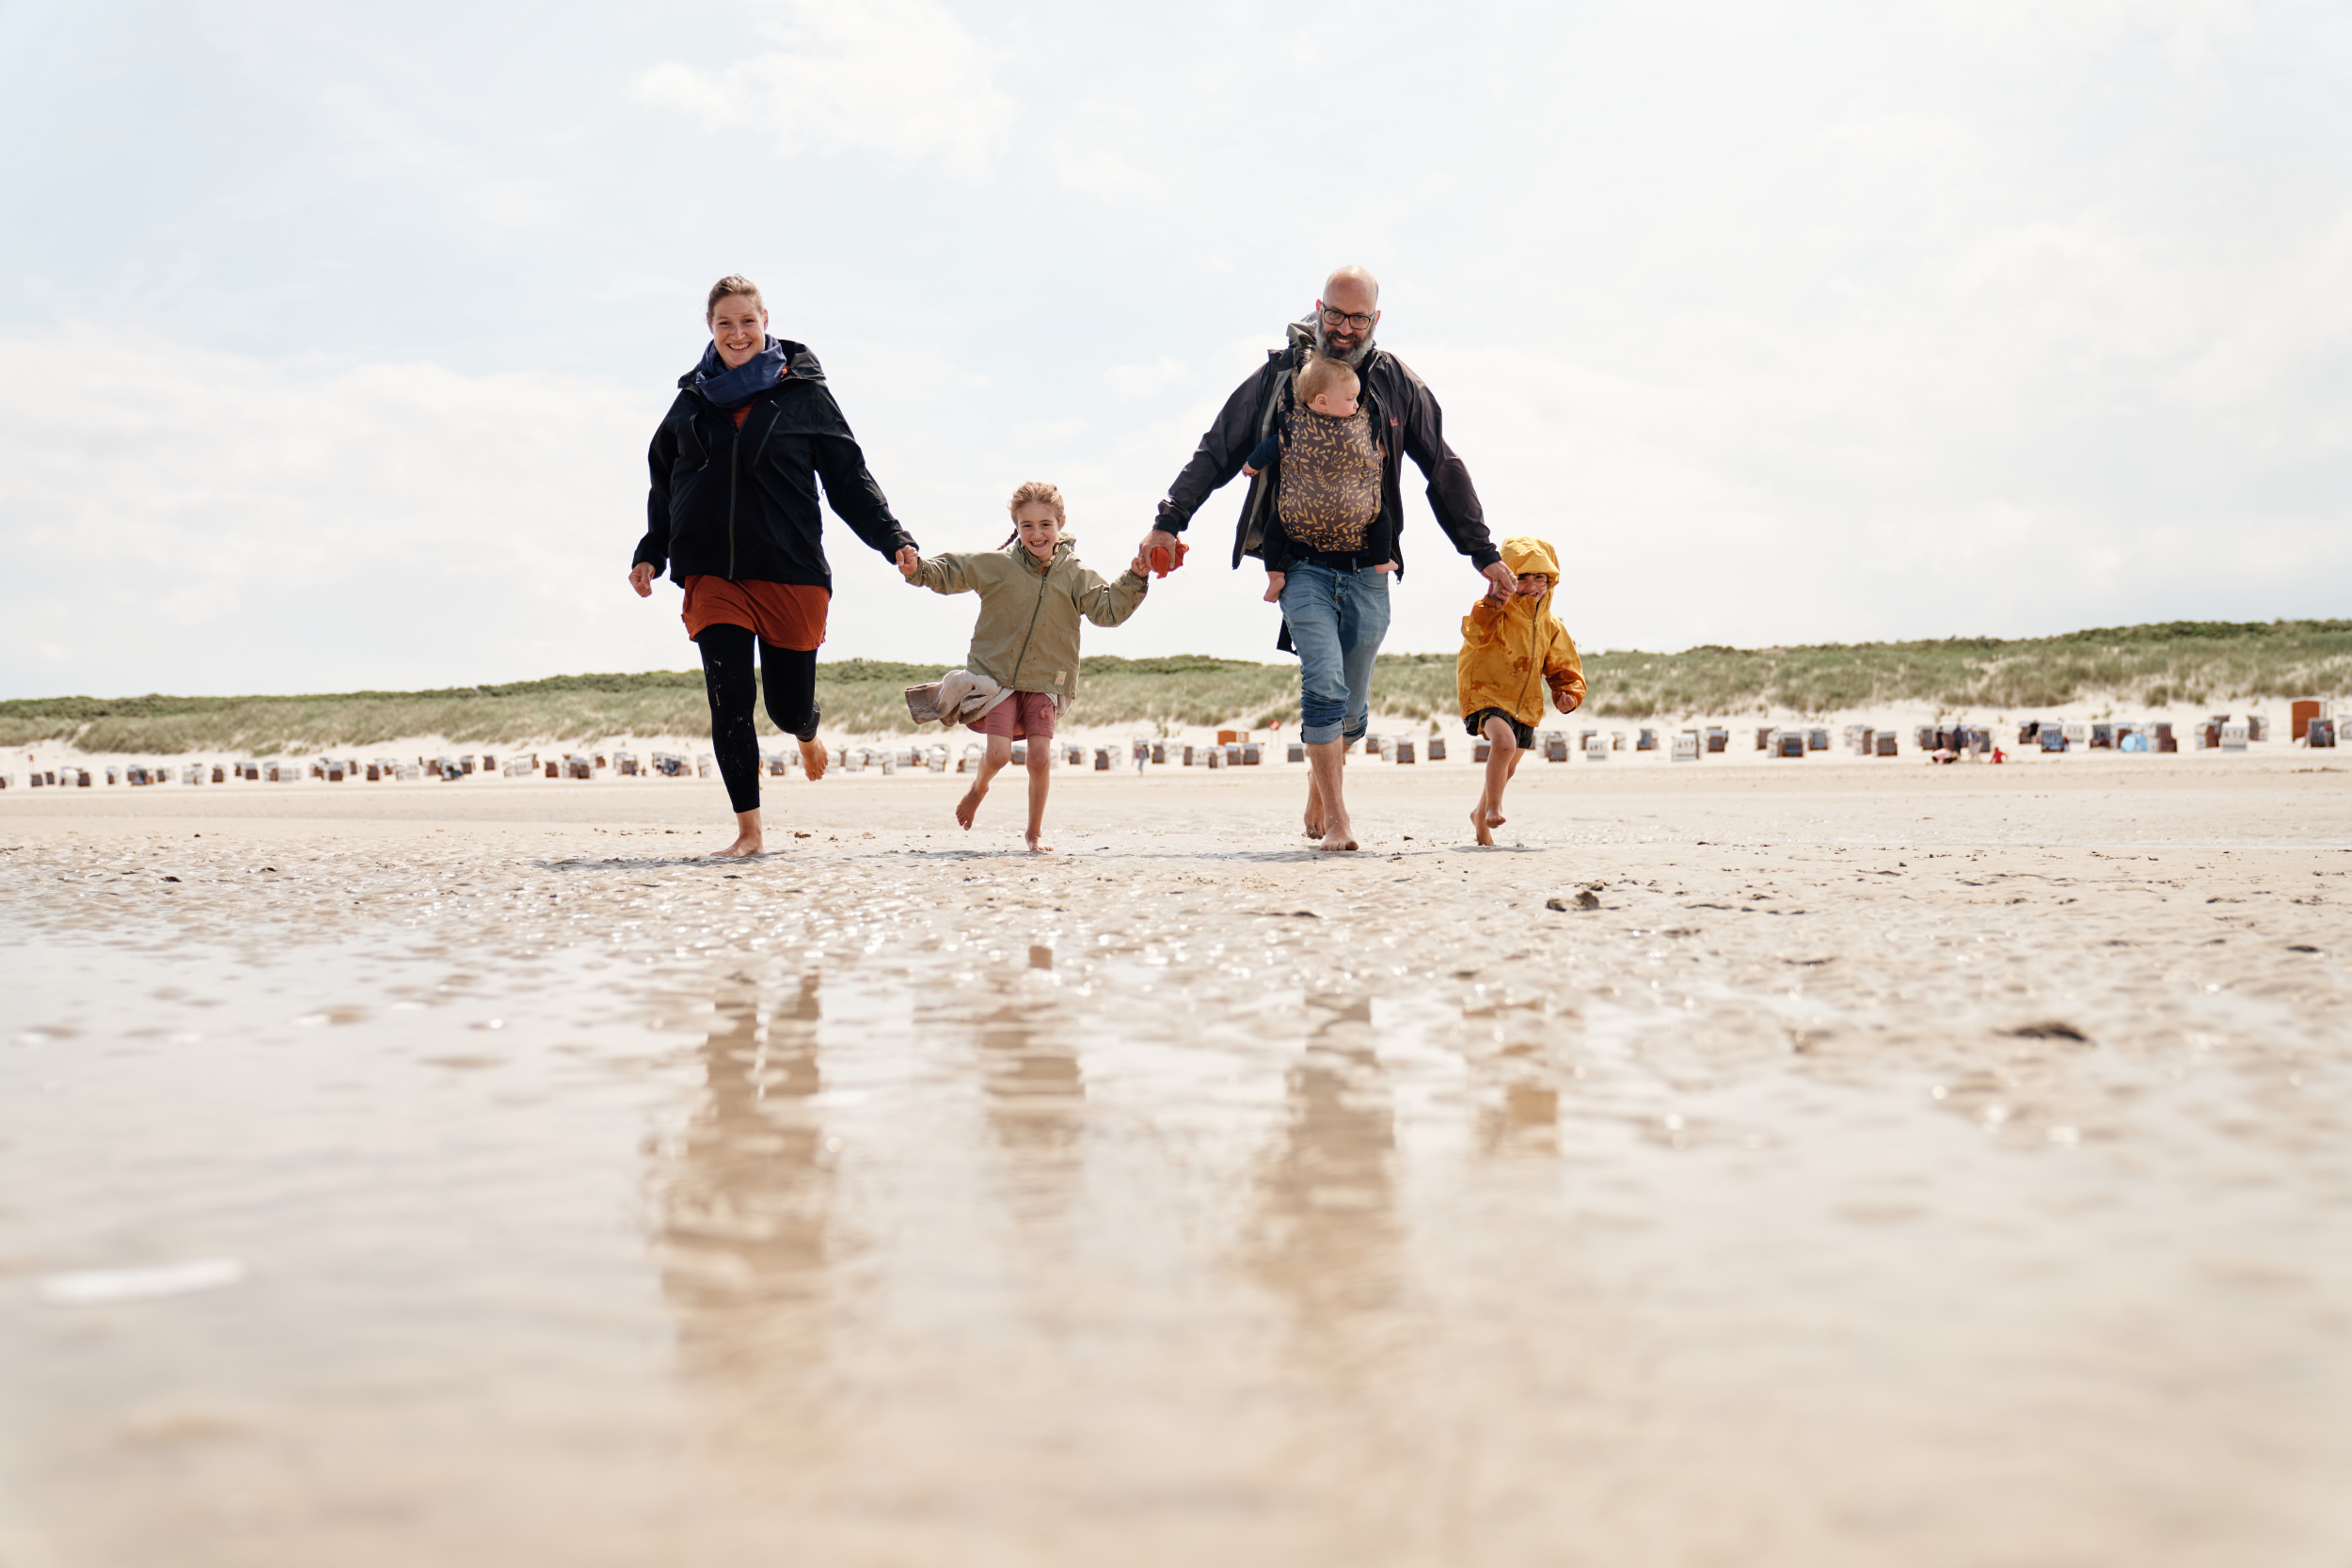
[1513, 650]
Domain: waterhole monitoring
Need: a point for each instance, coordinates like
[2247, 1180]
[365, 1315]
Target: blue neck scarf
[728, 389]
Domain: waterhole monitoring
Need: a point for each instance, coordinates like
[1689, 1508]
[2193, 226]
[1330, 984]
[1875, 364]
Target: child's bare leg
[1503, 759]
[999, 752]
[815, 759]
[748, 841]
[1040, 780]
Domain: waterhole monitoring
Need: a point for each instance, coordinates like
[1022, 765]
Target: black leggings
[791, 685]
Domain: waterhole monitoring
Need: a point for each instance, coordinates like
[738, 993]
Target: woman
[733, 513]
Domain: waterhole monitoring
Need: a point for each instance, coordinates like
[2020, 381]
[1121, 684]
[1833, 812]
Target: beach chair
[1718, 739]
[1296, 752]
[1595, 747]
[1687, 746]
[1646, 742]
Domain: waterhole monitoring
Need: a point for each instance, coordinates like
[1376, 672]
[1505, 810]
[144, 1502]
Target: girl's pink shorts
[1023, 716]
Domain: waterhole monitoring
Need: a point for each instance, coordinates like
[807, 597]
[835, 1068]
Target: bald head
[1356, 283]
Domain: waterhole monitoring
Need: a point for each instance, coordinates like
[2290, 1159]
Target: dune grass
[2189, 664]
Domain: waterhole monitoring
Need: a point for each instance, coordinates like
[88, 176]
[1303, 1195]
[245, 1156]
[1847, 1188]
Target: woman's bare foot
[969, 807]
[1482, 820]
[1038, 845]
[746, 846]
[815, 759]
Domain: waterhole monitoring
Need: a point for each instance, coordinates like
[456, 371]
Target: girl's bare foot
[815, 759]
[744, 847]
[969, 807]
[1481, 820]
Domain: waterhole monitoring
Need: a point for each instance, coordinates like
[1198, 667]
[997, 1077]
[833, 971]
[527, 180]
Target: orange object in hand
[1164, 562]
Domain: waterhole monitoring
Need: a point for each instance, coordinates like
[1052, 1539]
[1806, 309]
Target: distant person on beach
[1513, 651]
[733, 513]
[1023, 661]
[1324, 512]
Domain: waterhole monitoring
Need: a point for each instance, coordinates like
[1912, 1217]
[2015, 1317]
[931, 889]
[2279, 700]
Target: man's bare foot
[1341, 837]
[815, 759]
[1038, 844]
[1482, 820]
[1313, 819]
[744, 847]
[969, 807]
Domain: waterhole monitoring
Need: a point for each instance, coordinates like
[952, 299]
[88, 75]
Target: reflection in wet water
[1325, 1232]
[743, 1195]
[1036, 1106]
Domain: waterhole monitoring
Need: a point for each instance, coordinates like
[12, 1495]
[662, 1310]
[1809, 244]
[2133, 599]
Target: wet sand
[1923, 1167]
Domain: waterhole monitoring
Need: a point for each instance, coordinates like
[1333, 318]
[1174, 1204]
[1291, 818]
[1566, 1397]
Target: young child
[1032, 593]
[1330, 481]
[1511, 650]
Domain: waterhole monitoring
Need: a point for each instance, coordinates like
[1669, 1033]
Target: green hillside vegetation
[2179, 663]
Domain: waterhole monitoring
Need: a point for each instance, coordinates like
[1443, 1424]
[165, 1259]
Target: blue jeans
[1337, 620]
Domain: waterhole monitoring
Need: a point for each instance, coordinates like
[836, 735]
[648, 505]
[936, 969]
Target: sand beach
[1848, 1162]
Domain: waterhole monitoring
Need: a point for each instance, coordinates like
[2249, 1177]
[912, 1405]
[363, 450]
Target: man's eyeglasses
[1339, 318]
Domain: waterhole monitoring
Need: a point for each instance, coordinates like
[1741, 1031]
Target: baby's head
[1037, 517]
[1327, 387]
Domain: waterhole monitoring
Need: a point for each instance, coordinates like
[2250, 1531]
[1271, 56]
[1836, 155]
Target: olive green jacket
[1027, 635]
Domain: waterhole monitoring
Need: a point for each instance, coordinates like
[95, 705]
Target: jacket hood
[1527, 555]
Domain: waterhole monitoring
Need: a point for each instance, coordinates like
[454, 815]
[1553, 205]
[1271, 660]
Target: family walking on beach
[1320, 431]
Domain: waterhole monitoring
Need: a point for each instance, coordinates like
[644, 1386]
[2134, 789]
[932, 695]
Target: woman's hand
[1274, 587]
[909, 562]
[640, 579]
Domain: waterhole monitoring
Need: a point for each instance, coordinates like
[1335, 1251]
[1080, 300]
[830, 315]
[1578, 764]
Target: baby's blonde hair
[1035, 490]
[1321, 376]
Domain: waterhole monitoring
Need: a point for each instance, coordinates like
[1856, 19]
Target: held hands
[909, 562]
[1502, 582]
[1274, 587]
[640, 579]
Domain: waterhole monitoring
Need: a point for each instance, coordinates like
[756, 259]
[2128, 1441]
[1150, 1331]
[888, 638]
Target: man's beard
[1345, 356]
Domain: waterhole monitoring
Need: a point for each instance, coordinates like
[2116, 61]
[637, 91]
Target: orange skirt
[783, 614]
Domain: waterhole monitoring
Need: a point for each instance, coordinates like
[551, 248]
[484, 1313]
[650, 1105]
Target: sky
[331, 338]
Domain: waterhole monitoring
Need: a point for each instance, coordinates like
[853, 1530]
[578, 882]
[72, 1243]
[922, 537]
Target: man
[1335, 601]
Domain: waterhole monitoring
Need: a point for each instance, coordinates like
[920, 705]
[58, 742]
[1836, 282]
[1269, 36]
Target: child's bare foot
[815, 759]
[1037, 844]
[969, 807]
[1482, 820]
[745, 846]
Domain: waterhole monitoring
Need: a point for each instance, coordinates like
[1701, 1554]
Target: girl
[733, 513]
[1032, 593]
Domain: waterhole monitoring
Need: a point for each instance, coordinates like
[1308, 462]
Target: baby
[1327, 454]
[1512, 649]
[1326, 386]
[1033, 593]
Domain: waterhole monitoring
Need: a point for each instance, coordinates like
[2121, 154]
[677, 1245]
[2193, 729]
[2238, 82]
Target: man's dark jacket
[1408, 422]
[741, 504]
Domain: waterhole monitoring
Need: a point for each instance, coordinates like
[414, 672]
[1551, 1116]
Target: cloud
[900, 77]
[220, 522]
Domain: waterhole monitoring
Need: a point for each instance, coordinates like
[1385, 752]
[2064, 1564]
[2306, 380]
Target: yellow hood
[1516, 655]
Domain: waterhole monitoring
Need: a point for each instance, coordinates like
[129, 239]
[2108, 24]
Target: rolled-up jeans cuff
[1318, 734]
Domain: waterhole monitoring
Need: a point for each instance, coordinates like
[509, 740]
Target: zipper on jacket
[734, 463]
[1034, 610]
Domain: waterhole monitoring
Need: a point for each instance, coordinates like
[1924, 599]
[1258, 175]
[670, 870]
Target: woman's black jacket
[743, 503]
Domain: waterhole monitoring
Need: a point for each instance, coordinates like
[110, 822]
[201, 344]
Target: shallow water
[1835, 1194]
